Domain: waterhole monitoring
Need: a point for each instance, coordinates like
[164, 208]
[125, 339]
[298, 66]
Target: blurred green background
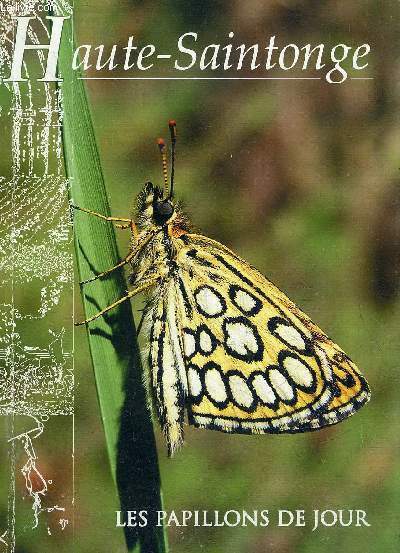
[302, 180]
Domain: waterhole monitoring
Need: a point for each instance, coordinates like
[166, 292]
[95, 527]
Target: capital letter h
[21, 46]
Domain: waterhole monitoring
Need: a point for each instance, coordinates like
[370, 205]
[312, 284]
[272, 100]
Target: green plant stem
[112, 338]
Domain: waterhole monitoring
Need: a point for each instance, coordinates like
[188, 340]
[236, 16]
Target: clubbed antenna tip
[161, 144]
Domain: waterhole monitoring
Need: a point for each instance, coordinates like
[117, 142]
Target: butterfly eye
[163, 211]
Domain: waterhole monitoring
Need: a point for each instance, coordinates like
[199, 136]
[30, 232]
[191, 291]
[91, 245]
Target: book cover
[171, 173]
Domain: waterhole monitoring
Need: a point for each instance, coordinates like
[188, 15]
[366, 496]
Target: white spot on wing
[240, 391]
[205, 342]
[194, 382]
[241, 338]
[215, 385]
[291, 335]
[189, 344]
[331, 417]
[263, 389]
[244, 300]
[208, 302]
[281, 385]
[300, 373]
[325, 363]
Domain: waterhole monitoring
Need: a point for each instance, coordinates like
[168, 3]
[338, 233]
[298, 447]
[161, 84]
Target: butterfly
[225, 344]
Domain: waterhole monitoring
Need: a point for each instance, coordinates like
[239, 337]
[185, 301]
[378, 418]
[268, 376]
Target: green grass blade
[112, 339]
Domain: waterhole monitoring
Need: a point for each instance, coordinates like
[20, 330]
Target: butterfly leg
[128, 223]
[108, 271]
[130, 294]
[126, 260]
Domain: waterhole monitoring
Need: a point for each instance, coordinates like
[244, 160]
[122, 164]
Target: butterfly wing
[166, 362]
[255, 362]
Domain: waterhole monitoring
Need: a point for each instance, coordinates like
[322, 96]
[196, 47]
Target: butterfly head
[163, 210]
[153, 208]
[155, 204]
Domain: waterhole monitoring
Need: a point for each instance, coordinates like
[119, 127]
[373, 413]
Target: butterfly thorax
[160, 222]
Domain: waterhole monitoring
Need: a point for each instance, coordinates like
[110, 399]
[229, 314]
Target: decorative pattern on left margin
[36, 298]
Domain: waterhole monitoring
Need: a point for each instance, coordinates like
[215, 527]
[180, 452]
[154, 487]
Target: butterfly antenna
[163, 151]
[172, 130]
